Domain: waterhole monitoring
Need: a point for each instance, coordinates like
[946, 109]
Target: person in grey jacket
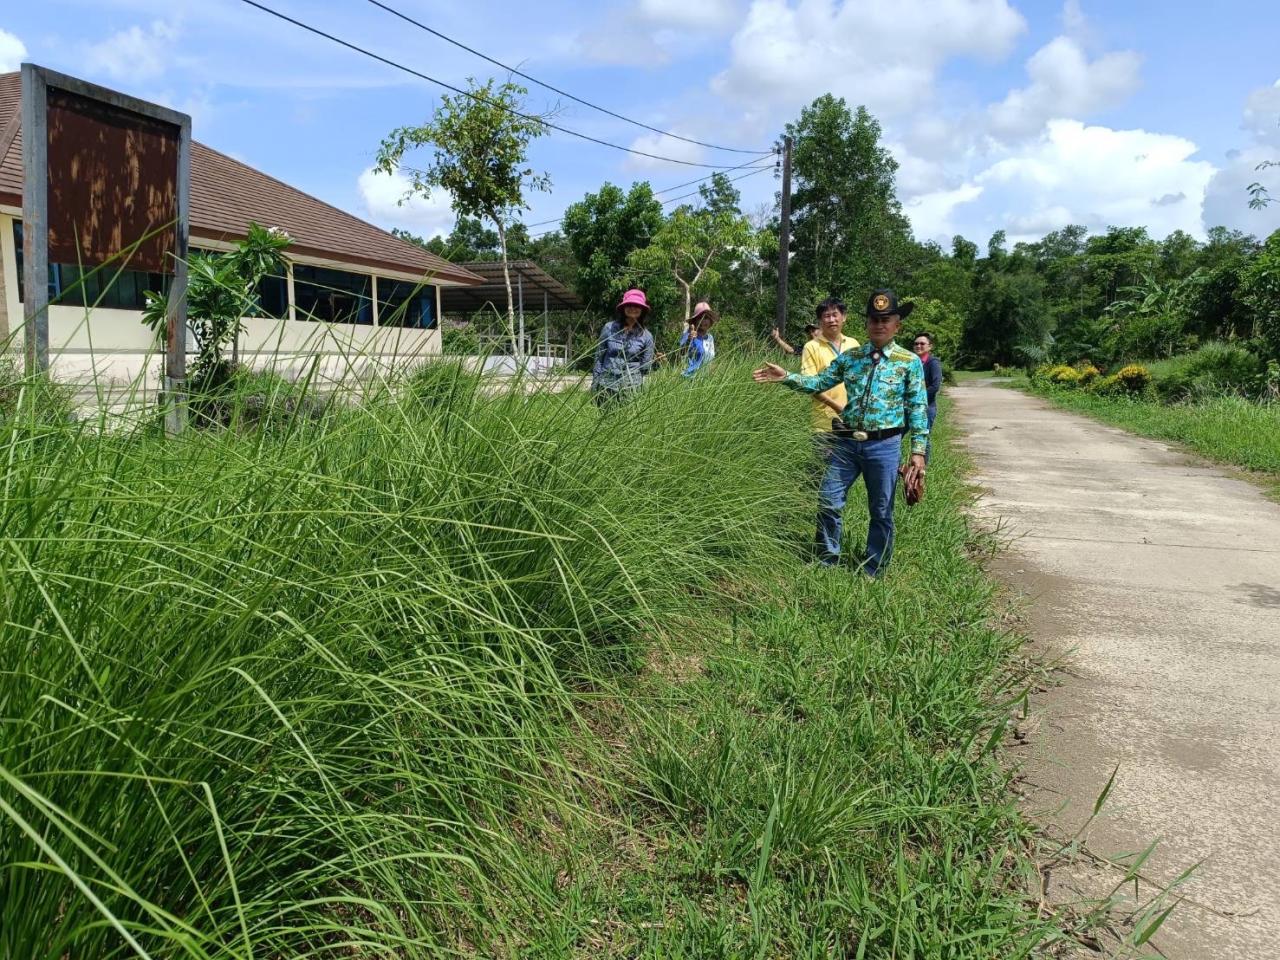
[624, 353]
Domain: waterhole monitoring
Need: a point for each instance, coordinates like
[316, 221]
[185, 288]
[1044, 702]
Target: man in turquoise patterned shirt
[885, 386]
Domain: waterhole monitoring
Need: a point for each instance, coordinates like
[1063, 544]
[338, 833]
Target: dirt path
[1159, 578]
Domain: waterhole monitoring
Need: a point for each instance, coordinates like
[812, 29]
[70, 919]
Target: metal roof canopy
[541, 290]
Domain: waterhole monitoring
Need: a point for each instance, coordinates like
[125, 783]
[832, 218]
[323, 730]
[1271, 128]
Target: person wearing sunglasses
[922, 347]
[886, 398]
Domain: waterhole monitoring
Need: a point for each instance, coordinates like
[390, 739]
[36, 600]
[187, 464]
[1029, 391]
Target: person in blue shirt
[922, 347]
[696, 340]
[884, 384]
[624, 353]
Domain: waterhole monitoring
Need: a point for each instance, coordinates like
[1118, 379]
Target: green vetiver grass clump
[396, 680]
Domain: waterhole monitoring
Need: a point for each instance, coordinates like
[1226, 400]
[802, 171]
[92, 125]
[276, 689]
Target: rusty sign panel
[113, 184]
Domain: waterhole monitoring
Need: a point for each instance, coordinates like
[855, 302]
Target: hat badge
[881, 302]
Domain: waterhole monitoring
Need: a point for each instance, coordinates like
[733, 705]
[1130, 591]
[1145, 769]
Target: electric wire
[564, 93]
[478, 97]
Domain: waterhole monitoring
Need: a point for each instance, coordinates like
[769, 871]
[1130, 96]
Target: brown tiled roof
[227, 194]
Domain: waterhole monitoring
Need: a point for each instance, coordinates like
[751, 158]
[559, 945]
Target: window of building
[333, 296]
[404, 304]
[74, 285]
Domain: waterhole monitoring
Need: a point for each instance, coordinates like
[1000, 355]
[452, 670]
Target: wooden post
[175, 380]
[784, 239]
[35, 220]
[520, 348]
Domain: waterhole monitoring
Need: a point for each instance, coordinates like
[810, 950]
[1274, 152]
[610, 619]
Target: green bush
[1214, 369]
[1087, 373]
[1108, 386]
[1134, 378]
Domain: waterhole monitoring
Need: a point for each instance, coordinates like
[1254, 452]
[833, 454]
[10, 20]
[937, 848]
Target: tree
[603, 229]
[941, 320]
[964, 252]
[481, 143]
[691, 248]
[1009, 322]
[1260, 288]
[848, 231]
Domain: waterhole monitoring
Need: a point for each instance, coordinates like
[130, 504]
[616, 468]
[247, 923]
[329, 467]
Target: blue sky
[1003, 114]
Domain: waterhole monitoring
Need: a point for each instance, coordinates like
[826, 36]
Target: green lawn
[1226, 429]
[462, 675]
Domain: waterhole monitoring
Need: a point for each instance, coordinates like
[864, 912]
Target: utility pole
[784, 238]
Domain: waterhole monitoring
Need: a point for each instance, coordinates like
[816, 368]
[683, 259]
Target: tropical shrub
[1088, 373]
[1213, 369]
[1134, 378]
[1108, 386]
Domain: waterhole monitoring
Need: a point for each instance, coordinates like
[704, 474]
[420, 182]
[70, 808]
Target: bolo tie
[860, 433]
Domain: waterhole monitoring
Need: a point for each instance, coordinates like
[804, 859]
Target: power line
[564, 93]
[656, 193]
[477, 97]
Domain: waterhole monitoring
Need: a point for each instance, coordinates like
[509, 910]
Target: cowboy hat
[884, 303]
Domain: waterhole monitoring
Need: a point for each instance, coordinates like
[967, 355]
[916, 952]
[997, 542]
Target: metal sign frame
[36, 82]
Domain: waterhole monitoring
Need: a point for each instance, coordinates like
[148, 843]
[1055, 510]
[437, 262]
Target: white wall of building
[112, 350]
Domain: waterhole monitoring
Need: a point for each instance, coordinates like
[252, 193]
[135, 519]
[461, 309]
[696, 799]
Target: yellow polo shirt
[816, 357]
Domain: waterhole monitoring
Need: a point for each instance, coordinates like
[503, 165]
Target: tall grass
[1227, 429]
[274, 693]
[397, 680]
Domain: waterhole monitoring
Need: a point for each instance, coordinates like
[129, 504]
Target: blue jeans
[877, 462]
[933, 413]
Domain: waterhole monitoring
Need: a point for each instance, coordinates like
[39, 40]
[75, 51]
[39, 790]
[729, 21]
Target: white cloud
[617, 41]
[134, 54]
[881, 54]
[382, 194]
[931, 213]
[1099, 177]
[1262, 115]
[12, 52]
[1226, 199]
[1064, 83]
[689, 14]
[665, 147]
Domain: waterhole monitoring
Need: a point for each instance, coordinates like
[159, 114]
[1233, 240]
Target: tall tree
[848, 231]
[602, 230]
[480, 146]
[692, 248]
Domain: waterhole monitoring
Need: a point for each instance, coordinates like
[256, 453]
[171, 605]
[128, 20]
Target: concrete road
[1157, 577]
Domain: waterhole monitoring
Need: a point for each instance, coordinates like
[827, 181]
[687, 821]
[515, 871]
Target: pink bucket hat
[703, 309]
[634, 298]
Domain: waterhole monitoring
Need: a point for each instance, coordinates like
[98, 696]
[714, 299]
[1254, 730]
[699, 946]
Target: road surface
[1157, 577]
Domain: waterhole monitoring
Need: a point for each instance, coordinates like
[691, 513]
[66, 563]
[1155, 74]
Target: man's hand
[915, 469]
[913, 479]
[769, 373]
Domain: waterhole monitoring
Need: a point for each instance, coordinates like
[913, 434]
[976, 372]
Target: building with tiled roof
[353, 293]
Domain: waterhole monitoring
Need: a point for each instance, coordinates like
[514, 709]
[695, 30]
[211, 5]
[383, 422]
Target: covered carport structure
[536, 294]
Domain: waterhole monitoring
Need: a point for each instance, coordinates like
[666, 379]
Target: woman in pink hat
[624, 354]
[697, 341]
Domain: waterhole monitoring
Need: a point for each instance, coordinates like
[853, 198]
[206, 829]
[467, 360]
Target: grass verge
[453, 674]
[1226, 429]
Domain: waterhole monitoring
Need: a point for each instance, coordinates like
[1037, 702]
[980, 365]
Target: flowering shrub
[1134, 378]
[1088, 373]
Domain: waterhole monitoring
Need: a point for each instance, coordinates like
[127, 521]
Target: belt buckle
[860, 434]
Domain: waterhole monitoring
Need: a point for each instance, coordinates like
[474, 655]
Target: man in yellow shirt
[817, 356]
